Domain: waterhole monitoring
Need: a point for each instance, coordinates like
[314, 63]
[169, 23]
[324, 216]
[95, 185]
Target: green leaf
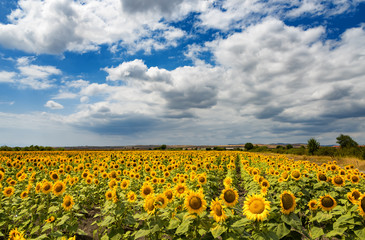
[43, 236]
[63, 220]
[218, 230]
[282, 230]
[240, 223]
[338, 231]
[322, 217]
[142, 233]
[183, 228]
[53, 209]
[316, 232]
[174, 223]
[46, 227]
[107, 221]
[360, 233]
[35, 229]
[105, 237]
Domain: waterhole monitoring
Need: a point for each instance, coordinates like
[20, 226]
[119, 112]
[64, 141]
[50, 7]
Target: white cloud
[7, 77]
[53, 105]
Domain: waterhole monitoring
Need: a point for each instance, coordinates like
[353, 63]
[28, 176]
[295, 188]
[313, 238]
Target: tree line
[30, 148]
[347, 148]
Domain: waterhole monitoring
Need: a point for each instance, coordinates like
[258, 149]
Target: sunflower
[361, 204]
[14, 234]
[59, 188]
[195, 202]
[264, 183]
[256, 208]
[355, 179]
[327, 203]
[50, 219]
[354, 196]
[54, 176]
[149, 204]
[8, 191]
[161, 201]
[68, 202]
[227, 182]
[38, 187]
[295, 174]
[89, 180]
[124, 184]
[113, 183]
[338, 181]
[24, 194]
[229, 197]
[321, 176]
[313, 204]
[181, 189]
[287, 202]
[109, 195]
[1, 176]
[217, 211]
[146, 190]
[169, 194]
[202, 179]
[47, 187]
[131, 196]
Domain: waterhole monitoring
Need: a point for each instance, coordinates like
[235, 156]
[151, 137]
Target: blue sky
[125, 72]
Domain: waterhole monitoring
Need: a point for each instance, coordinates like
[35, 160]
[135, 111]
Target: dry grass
[341, 161]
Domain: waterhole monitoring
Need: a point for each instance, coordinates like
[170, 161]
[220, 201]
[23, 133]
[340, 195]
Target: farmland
[177, 195]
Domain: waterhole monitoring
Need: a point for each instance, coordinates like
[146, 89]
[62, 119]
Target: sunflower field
[177, 195]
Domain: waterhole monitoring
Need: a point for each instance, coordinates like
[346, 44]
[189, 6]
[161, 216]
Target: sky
[202, 72]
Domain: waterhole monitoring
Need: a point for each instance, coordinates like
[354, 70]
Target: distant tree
[289, 146]
[346, 141]
[313, 145]
[248, 146]
[163, 147]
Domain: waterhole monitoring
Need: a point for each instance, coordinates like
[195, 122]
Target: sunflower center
[47, 187]
[327, 202]
[322, 177]
[218, 210]
[356, 194]
[296, 174]
[147, 191]
[229, 196]
[8, 191]
[355, 178]
[168, 195]
[59, 188]
[195, 203]
[181, 190]
[338, 180]
[287, 201]
[201, 179]
[67, 203]
[257, 206]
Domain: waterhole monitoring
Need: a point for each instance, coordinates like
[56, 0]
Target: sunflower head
[355, 179]
[131, 196]
[229, 197]
[354, 195]
[24, 194]
[149, 204]
[256, 208]
[59, 188]
[169, 194]
[227, 182]
[124, 184]
[313, 204]
[181, 189]
[321, 176]
[338, 181]
[195, 202]
[8, 191]
[46, 187]
[217, 211]
[295, 174]
[68, 202]
[287, 202]
[161, 201]
[327, 203]
[146, 190]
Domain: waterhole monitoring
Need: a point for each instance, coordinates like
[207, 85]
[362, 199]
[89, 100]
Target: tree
[248, 146]
[313, 145]
[289, 146]
[346, 141]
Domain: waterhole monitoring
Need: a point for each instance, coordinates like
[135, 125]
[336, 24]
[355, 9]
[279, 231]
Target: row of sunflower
[177, 194]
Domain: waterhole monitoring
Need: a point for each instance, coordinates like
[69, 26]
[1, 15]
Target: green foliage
[248, 146]
[30, 148]
[313, 145]
[346, 141]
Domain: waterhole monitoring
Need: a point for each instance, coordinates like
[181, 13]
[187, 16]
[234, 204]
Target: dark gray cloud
[164, 6]
[192, 97]
[269, 112]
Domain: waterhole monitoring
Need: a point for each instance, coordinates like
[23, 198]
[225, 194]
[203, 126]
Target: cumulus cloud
[53, 105]
[7, 77]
